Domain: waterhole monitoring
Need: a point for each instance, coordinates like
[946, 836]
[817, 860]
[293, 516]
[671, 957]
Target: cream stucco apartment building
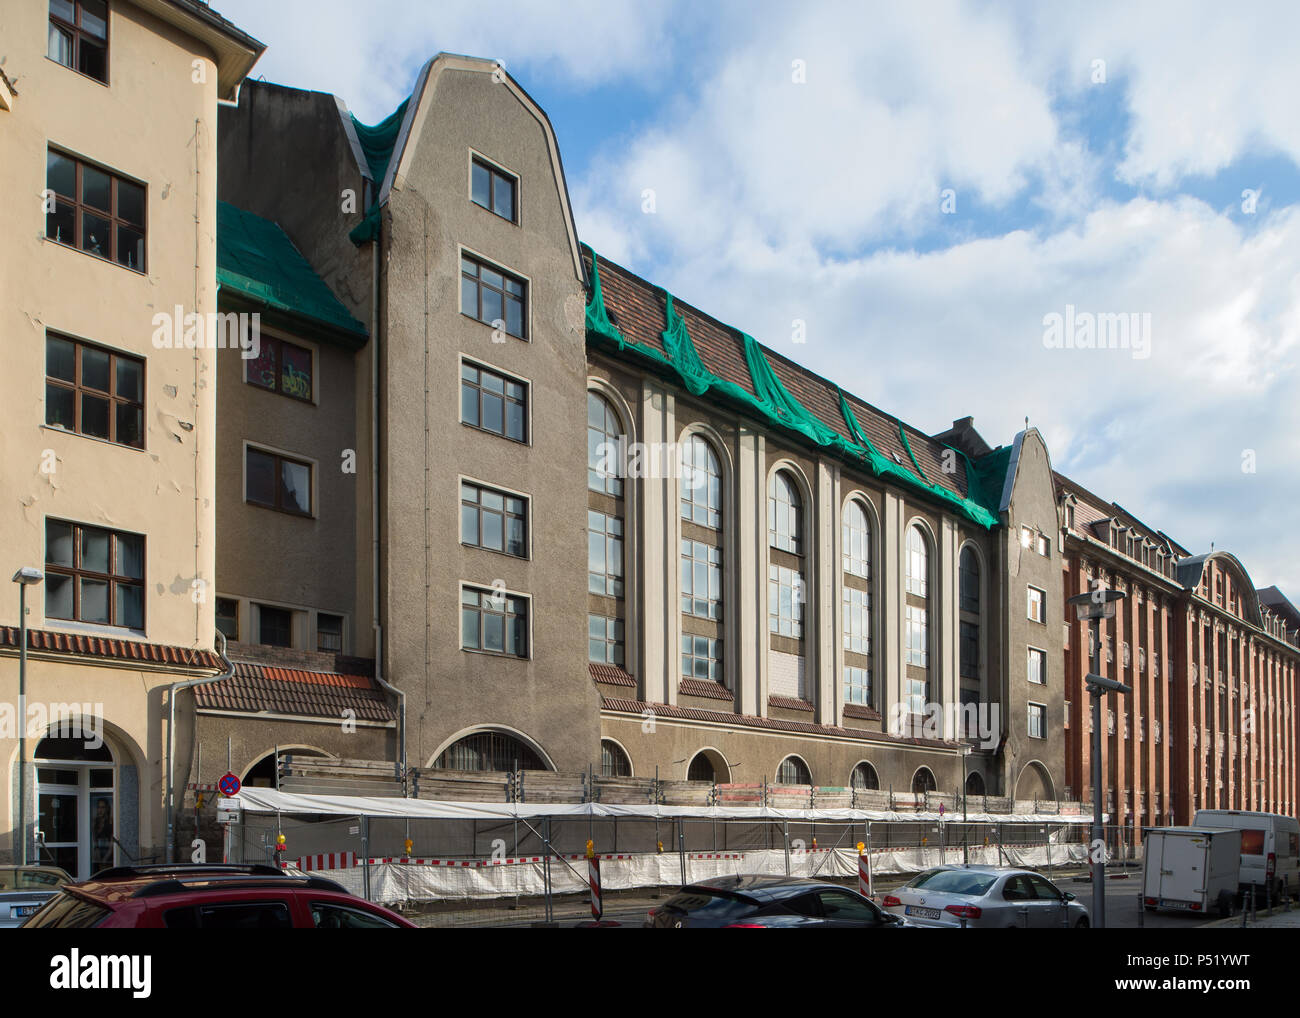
[108, 160]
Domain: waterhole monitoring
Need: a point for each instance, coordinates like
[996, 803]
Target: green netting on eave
[377, 143]
[256, 259]
[770, 401]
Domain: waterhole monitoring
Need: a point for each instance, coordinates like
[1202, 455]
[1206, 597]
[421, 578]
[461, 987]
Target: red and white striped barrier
[328, 861]
[715, 855]
[593, 878]
[864, 875]
[511, 861]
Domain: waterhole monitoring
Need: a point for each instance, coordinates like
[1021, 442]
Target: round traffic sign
[229, 785]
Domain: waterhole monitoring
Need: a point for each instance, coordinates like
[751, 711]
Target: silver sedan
[985, 896]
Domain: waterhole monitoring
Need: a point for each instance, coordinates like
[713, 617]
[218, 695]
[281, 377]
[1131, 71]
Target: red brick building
[1212, 662]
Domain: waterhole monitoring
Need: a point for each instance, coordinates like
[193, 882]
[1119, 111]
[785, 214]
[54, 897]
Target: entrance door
[75, 807]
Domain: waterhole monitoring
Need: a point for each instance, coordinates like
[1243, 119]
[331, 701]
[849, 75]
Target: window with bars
[95, 210]
[94, 575]
[329, 633]
[613, 761]
[78, 36]
[701, 580]
[493, 296]
[493, 622]
[283, 367]
[493, 402]
[277, 482]
[493, 520]
[701, 658]
[605, 640]
[274, 626]
[494, 189]
[857, 620]
[793, 771]
[785, 599]
[94, 392]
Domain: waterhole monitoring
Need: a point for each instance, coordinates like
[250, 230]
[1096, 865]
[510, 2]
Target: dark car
[758, 902]
[24, 889]
[211, 896]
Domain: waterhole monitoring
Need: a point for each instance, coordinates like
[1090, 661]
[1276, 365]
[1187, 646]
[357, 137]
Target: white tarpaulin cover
[266, 800]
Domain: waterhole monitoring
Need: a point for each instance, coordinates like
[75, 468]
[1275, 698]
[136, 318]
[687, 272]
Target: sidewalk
[1279, 920]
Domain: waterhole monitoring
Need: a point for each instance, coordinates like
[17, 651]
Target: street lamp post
[1093, 607]
[25, 577]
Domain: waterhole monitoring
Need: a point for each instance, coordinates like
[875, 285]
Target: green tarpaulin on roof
[377, 144]
[773, 402]
[258, 261]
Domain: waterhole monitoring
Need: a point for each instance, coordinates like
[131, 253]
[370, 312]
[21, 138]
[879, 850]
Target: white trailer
[1192, 869]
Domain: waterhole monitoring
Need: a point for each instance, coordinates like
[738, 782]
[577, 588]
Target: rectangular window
[492, 402]
[493, 296]
[228, 617]
[493, 190]
[916, 694]
[604, 554]
[1044, 546]
[701, 580]
[1036, 601]
[970, 650]
[78, 36]
[95, 210]
[94, 392]
[1037, 666]
[701, 658]
[277, 482]
[283, 367]
[493, 622]
[918, 637]
[274, 626]
[605, 640]
[1037, 721]
[329, 633]
[785, 598]
[857, 620]
[493, 520]
[94, 575]
[857, 686]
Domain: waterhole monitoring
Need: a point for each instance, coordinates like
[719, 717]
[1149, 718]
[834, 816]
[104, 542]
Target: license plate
[1174, 904]
[23, 911]
[922, 913]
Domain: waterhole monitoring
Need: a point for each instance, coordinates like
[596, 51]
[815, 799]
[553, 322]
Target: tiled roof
[702, 687]
[610, 675]
[636, 308]
[664, 710]
[257, 688]
[96, 646]
[789, 703]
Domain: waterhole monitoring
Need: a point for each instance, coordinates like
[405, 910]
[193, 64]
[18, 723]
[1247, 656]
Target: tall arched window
[605, 565]
[857, 540]
[969, 654]
[701, 561]
[916, 684]
[604, 447]
[701, 483]
[856, 606]
[784, 513]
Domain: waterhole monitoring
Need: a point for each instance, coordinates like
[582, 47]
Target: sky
[933, 204]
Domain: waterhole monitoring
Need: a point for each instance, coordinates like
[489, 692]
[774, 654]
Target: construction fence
[402, 851]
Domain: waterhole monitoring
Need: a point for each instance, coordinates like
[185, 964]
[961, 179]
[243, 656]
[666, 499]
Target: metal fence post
[365, 851]
[785, 834]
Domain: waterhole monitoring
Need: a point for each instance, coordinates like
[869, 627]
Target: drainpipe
[228, 671]
[377, 626]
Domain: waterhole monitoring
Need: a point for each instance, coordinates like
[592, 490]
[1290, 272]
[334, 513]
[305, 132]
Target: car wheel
[1082, 924]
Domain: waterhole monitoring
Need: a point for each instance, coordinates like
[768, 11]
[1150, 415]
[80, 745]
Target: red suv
[211, 896]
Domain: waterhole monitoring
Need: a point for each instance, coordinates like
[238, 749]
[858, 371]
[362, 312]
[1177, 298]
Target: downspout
[228, 671]
[376, 625]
